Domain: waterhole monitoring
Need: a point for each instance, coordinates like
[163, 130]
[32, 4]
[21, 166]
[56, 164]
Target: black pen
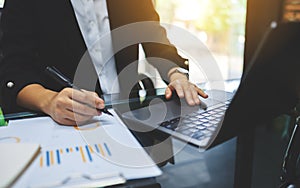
[63, 80]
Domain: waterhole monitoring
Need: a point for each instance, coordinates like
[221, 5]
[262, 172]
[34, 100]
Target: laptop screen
[270, 84]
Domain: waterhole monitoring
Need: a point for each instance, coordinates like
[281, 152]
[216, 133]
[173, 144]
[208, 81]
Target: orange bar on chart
[41, 161]
[51, 158]
[91, 149]
[101, 150]
[82, 154]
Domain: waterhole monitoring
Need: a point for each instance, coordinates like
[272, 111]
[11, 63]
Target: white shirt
[92, 17]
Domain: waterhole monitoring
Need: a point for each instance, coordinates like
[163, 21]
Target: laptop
[197, 125]
[265, 91]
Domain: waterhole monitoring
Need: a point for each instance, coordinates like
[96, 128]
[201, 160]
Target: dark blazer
[41, 33]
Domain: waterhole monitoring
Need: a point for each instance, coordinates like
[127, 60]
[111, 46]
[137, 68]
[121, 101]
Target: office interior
[232, 30]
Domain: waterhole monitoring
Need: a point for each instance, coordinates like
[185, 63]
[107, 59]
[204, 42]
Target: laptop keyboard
[198, 125]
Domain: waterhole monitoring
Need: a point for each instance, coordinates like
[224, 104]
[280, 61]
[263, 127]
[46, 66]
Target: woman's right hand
[67, 107]
[73, 107]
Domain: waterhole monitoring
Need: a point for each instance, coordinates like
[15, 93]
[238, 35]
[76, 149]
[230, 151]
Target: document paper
[102, 151]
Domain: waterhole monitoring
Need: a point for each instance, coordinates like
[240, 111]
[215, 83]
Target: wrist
[35, 97]
[45, 104]
[178, 73]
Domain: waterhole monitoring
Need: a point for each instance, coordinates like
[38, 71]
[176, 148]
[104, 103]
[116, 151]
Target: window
[218, 24]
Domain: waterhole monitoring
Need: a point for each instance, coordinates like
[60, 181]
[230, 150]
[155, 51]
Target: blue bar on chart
[107, 149]
[58, 156]
[47, 158]
[88, 152]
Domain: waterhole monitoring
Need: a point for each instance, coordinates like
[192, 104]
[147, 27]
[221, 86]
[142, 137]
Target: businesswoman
[42, 33]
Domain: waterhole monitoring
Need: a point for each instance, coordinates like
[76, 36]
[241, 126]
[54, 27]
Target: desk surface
[210, 169]
[213, 168]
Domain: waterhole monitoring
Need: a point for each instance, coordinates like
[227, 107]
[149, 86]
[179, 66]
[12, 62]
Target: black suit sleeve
[162, 54]
[18, 45]
[140, 24]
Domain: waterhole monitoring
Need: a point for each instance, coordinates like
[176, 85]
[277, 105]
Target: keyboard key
[204, 120]
[211, 128]
[193, 130]
[211, 112]
[214, 122]
[223, 108]
[193, 119]
[210, 118]
[219, 110]
[197, 135]
[208, 124]
[164, 124]
[185, 121]
[218, 119]
[219, 115]
[176, 120]
[201, 127]
[206, 132]
[170, 126]
[200, 116]
[190, 125]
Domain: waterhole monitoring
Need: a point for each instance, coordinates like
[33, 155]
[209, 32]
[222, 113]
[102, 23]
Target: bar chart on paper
[82, 154]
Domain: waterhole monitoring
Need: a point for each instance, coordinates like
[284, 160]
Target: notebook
[14, 159]
[263, 92]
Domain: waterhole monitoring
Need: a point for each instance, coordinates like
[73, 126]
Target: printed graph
[85, 154]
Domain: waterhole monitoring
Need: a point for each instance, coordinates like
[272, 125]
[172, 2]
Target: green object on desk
[2, 120]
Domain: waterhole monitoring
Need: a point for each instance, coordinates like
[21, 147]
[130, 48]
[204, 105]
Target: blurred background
[218, 24]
